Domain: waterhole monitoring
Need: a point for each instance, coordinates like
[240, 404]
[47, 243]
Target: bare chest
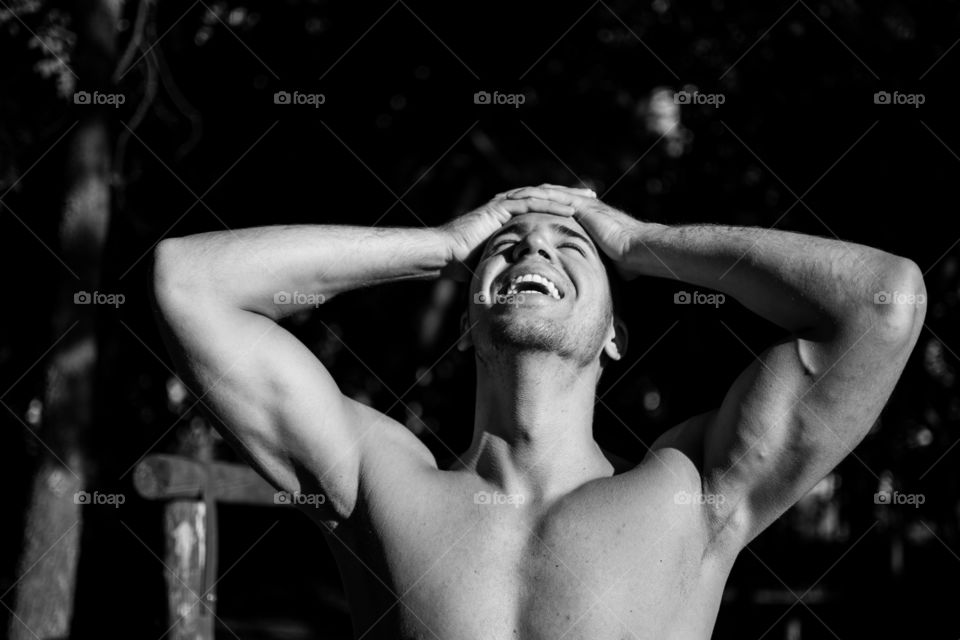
[598, 565]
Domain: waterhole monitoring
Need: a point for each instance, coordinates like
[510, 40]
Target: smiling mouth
[534, 283]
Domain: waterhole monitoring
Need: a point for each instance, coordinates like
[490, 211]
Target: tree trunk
[48, 563]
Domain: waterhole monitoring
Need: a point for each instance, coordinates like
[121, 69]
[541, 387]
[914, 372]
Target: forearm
[252, 268]
[802, 283]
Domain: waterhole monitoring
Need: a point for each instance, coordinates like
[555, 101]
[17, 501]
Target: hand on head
[611, 230]
[469, 232]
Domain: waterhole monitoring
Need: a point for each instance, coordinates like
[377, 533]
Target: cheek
[485, 273]
[596, 296]
[592, 285]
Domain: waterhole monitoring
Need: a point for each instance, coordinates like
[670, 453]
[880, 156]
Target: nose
[534, 242]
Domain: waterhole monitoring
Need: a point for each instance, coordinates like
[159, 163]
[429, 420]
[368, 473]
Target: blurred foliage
[797, 144]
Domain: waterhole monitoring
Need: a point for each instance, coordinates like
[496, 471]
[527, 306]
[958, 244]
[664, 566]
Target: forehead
[527, 222]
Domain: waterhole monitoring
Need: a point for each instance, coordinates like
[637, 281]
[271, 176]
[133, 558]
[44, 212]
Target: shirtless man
[533, 534]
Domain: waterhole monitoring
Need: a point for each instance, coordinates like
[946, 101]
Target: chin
[537, 335]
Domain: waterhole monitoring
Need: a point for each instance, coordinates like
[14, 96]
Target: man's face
[540, 285]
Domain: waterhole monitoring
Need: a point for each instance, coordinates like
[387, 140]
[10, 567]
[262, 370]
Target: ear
[615, 346]
[465, 342]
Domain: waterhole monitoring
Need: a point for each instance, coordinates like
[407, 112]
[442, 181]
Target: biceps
[272, 399]
[780, 429]
[753, 432]
[791, 417]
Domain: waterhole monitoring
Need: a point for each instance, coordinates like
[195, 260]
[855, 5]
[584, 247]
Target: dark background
[400, 142]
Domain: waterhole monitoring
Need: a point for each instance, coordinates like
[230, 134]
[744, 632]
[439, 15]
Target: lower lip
[523, 298]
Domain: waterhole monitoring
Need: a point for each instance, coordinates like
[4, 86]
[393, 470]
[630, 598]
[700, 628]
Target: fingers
[516, 206]
[586, 193]
[563, 196]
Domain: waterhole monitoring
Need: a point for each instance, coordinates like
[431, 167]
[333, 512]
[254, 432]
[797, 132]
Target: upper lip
[542, 271]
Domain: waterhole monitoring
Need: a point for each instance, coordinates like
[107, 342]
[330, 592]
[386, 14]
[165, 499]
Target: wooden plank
[164, 477]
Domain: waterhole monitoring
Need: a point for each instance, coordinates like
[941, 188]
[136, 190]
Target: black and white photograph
[403, 320]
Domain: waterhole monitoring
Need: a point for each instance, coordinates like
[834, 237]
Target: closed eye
[573, 246]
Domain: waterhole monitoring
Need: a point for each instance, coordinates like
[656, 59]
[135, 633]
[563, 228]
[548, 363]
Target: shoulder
[675, 463]
[384, 441]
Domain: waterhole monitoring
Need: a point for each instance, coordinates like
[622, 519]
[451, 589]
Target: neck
[533, 426]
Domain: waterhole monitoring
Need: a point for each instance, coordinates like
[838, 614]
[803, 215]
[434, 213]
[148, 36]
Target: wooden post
[192, 487]
[186, 558]
[191, 552]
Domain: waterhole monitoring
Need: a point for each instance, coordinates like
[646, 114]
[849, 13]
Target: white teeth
[534, 277]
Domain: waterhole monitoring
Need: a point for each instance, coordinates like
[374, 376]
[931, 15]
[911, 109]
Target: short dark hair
[617, 285]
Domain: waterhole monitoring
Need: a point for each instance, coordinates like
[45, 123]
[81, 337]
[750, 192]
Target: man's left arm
[792, 415]
[854, 314]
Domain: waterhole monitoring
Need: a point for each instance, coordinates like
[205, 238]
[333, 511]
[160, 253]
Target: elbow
[901, 302]
[170, 275]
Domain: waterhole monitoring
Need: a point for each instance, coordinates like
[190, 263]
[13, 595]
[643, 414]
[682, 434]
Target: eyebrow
[522, 227]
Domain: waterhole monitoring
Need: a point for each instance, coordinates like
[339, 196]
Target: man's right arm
[219, 297]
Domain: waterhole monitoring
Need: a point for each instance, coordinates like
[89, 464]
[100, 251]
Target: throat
[533, 428]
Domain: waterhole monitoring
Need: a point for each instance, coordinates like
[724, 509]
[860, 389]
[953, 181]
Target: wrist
[640, 250]
[454, 252]
[447, 242]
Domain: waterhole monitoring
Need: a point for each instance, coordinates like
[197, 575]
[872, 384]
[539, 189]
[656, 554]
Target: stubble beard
[512, 336]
